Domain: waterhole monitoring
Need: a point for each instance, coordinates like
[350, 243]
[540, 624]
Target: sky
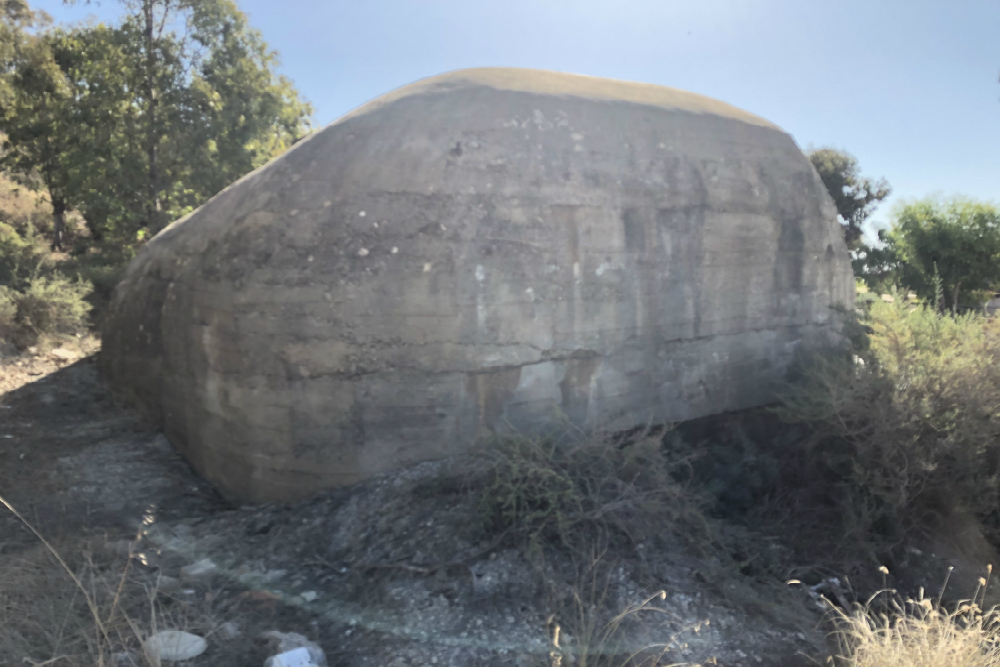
[910, 87]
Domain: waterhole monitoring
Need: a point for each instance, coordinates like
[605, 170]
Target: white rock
[309, 596]
[286, 642]
[173, 645]
[297, 657]
[202, 570]
[230, 630]
[167, 585]
[64, 354]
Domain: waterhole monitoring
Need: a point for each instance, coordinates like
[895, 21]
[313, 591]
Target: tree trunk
[954, 299]
[152, 136]
[58, 222]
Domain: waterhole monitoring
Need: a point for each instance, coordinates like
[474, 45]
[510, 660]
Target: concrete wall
[481, 250]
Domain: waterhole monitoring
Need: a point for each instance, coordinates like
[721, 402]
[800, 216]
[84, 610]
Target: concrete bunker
[477, 251]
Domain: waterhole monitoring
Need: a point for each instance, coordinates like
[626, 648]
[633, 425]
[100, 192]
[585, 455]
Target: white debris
[284, 643]
[230, 630]
[173, 645]
[200, 571]
[64, 354]
[298, 657]
[167, 585]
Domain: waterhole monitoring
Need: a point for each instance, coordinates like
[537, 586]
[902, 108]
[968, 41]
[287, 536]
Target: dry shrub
[82, 602]
[564, 491]
[911, 424]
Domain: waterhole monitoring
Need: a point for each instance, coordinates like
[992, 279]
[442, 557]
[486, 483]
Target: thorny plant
[562, 491]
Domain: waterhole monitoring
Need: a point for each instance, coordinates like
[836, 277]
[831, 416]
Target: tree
[35, 106]
[956, 242]
[856, 197]
[209, 106]
[138, 123]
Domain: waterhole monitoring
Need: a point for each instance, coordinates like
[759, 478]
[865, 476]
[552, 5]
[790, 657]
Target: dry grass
[585, 631]
[91, 610]
[919, 633]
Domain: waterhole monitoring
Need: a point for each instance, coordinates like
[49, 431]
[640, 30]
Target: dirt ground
[378, 574]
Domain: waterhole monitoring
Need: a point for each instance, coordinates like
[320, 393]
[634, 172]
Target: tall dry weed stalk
[106, 617]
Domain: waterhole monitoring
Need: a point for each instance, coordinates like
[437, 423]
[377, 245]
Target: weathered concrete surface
[480, 250]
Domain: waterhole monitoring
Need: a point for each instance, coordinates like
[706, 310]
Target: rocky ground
[384, 573]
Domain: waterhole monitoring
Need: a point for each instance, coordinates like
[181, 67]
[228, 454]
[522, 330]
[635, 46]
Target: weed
[551, 490]
[86, 623]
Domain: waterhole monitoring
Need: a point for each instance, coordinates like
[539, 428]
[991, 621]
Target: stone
[298, 657]
[285, 642]
[230, 630]
[549, 247]
[65, 354]
[201, 571]
[309, 596]
[167, 584]
[173, 645]
[124, 659]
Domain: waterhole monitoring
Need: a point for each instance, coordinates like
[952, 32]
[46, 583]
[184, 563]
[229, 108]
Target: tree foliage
[855, 196]
[136, 124]
[35, 109]
[954, 242]
[908, 423]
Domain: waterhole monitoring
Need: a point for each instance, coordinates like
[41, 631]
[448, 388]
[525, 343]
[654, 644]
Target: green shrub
[48, 305]
[911, 424]
[36, 299]
[19, 257]
[102, 266]
[8, 312]
[559, 491]
[54, 304]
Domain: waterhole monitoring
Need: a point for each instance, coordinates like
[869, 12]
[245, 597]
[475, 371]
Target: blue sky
[909, 87]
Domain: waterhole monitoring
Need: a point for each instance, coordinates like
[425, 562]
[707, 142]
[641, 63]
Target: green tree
[207, 106]
[855, 196]
[138, 123]
[954, 243]
[36, 102]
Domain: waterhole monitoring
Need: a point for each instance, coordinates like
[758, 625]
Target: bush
[54, 304]
[48, 305]
[20, 258]
[35, 299]
[911, 424]
[23, 208]
[552, 490]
